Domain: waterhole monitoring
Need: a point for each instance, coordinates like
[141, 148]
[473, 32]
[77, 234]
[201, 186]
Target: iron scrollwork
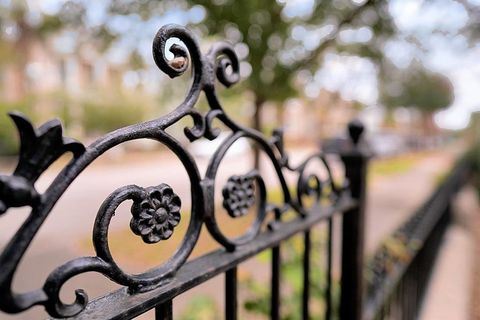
[155, 210]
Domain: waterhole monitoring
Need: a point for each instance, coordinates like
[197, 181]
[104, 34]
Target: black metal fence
[400, 269]
[156, 210]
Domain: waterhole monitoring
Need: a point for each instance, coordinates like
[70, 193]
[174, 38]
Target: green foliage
[6, 53]
[18, 13]
[201, 308]
[473, 157]
[8, 133]
[104, 115]
[258, 293]
[394, 165]
[64, 108]
[280, 43]
[136, 60]
[50, 24]
[258, 301]
[419, 88]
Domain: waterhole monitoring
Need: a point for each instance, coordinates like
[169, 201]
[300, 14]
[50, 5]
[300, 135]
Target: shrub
[201, 308]
[100, 116]
[473, 157]
[258, 300]
[8, 132]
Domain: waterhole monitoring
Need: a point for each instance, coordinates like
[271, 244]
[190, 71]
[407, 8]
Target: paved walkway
[449, 293]
[393, 198]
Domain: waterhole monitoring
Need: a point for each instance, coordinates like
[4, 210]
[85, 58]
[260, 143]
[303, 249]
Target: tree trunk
[280, 115]
[257, 125]
[17, 90]
[428, 124]
[22, 50]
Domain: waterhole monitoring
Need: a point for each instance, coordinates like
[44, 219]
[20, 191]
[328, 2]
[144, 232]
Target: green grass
[394, 166]
[201, 308]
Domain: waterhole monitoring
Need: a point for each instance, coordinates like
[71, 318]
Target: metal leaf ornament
[39, 148]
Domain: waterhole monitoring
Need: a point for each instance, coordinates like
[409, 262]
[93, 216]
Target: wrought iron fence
[400, 269]
[156, 210]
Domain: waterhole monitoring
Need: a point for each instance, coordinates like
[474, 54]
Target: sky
[447, 53]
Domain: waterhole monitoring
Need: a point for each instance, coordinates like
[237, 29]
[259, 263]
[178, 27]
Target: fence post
[355, 160]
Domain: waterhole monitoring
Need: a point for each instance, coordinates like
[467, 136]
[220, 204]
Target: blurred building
[47, 71]
[313, 120]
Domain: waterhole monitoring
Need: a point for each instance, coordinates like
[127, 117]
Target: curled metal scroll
[312, 185]
[155, 209]
[231, 200]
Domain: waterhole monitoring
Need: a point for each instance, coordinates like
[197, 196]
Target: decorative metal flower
[156, 215]
[239, 195]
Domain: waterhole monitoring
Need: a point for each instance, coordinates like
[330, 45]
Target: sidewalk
[393, 198]
[449, 293]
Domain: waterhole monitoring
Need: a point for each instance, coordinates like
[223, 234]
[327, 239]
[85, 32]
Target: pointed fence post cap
[355, 130]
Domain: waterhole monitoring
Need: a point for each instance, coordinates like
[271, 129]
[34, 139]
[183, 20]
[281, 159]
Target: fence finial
[355, 130]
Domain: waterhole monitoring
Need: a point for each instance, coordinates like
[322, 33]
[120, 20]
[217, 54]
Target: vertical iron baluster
[328, 293]
[306, 275]
[164, 311]
[408, 307]
[276, 261]
[355, 162]
[402, 304]
[231, 294]
[275, 297]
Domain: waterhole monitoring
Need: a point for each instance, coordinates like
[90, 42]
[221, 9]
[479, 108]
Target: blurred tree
[419, 88]
[471, 29]
[135, 60]
[19, 31]
[24, 24]
[282, 39]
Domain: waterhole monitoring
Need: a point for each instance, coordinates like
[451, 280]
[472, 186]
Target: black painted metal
[275, 294]
[156, 210]
[397, 285]
[231, 298]
[306, 275]
[164, 311]
[328, 289]
[352, 284]
[275, 298]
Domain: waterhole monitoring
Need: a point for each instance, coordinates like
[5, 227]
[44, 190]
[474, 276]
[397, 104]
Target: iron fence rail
[400, 277]
[121, 304]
